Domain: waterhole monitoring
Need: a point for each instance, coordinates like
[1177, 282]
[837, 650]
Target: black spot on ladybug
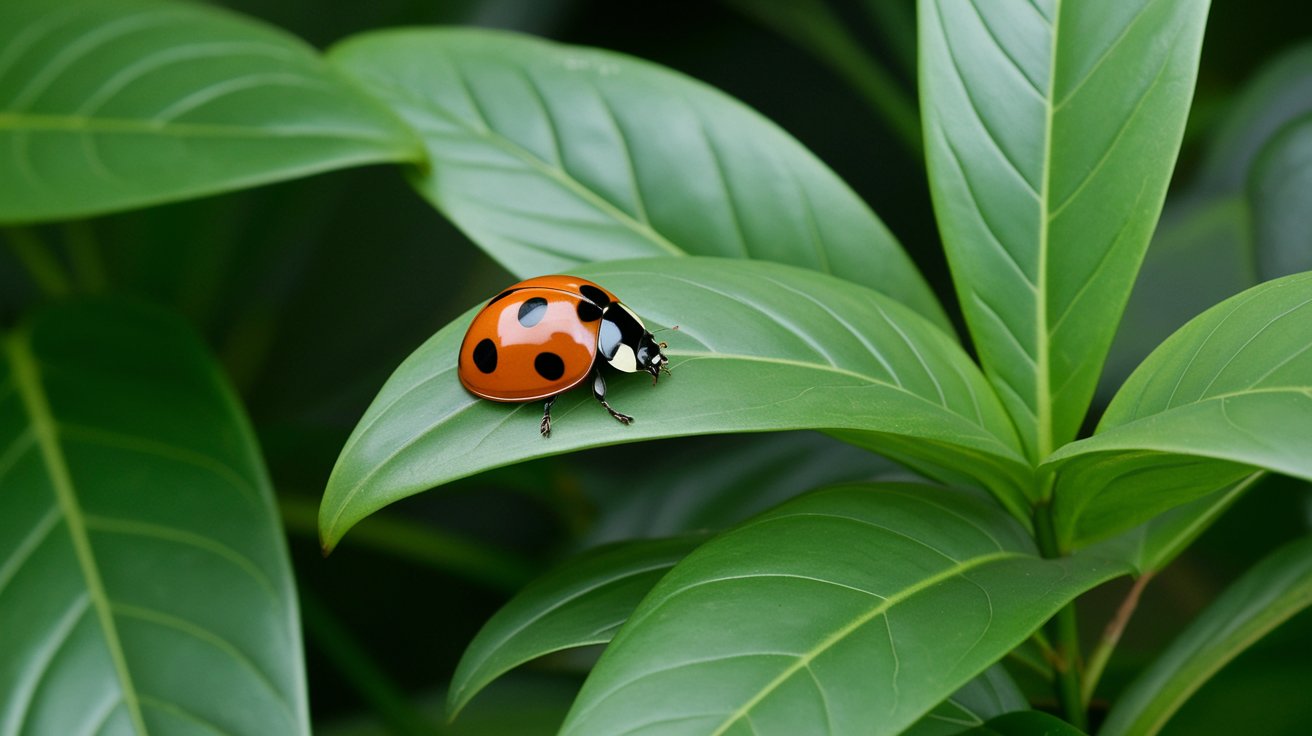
[532, 311]
[595, 295]
[500, 296]
[549, 366]
[485, 355]
[589, 312]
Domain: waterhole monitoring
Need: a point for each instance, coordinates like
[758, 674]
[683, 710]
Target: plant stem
[40, 263]
[1111, 636]
[1064, 630]
[84, 252]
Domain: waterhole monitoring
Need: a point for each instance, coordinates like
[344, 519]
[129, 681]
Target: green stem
[361, 671]
[39, 261]
[1064, 630]
[1111, 636]
[420, 543]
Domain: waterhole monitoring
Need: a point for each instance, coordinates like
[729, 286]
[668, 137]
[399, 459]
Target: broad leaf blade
[144, 581]
[1230, 391]
[1266, 596]
[582, 602]
[849, 610]
[1051, 130]
[112, 105]
[549, 156]
[828, 355]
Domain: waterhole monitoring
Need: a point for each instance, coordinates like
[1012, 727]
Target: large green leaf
[144, 580]
[112, 105]
[1051, 129]
[1230, 391]
[549, 156]
[582, 602]
[1280, 194]
[849, 610]
[1266, 596]
[760, 347]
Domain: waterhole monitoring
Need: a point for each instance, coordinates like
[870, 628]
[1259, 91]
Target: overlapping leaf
[849, 610]
[144, 581]
[111, 105]
[760, 347]
[1051, 130]
[1266, 596]
[1232, 390]
[549, 156]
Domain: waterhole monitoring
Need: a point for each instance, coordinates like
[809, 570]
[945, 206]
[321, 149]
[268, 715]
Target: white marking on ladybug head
[624, 359]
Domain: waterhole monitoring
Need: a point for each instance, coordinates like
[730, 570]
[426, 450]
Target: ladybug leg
[545, 427]
[599, 391]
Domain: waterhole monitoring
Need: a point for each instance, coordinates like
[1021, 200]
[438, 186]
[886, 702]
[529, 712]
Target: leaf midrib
[73, 123]
[27, 381]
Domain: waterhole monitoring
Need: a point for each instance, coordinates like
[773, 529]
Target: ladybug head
[650, 357]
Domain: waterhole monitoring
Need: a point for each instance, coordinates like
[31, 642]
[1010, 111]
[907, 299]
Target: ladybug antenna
[664, 329]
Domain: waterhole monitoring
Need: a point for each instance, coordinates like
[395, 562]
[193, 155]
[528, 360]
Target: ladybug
[544, 336]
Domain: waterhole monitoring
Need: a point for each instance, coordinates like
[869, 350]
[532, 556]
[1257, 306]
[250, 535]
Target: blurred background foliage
[312, 291]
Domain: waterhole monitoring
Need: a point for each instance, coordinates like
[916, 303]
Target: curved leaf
[1280, 194]
[849, 610]
[582, 602]
[831, 355]
[1051, 130]
[1025, 723]
[1229, 391]
[721, 481]
[991, 694]
[1266, 596]
[144, 580]
[549, 156]
[112, 105]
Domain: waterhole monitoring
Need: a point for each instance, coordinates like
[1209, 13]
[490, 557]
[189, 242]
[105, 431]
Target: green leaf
[989, 695]
[1051, 130]
[760, 347]
[1201, 255]
[112, 105]
[1230, 391]
[144, 580]
[1025, 723]
[1266, 596]
[721, 481]
[549, 156]
[1279, 93]
[582, 602]
[1280, 193]
[1151, 546]
[854, 609]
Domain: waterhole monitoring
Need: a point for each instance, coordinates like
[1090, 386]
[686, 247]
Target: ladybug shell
[534, 340]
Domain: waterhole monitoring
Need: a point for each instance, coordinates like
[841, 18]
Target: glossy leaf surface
[582, 602]
[1051, 130]
[144, 580]
[1230, 391]
[1266, 596]
[549, 156]
[112, 105]
[855, 609]
[827, 355]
